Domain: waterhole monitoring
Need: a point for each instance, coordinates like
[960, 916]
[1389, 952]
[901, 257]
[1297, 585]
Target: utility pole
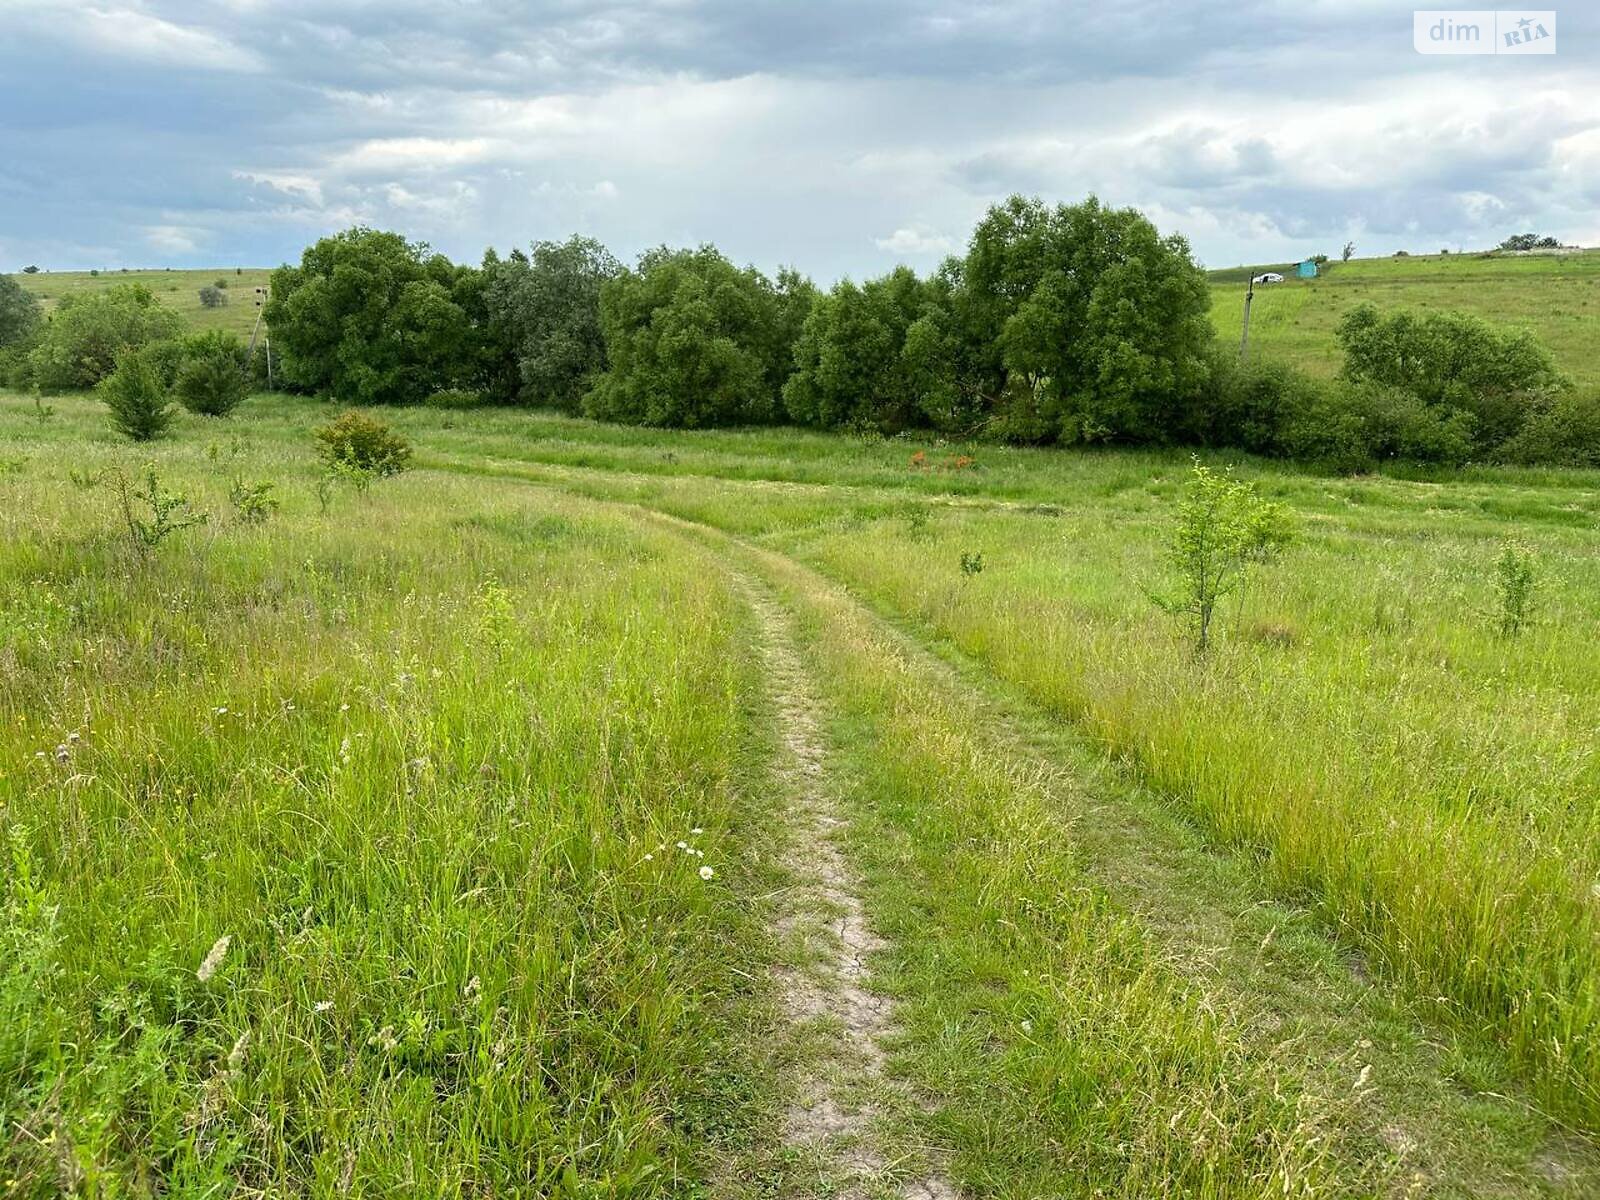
[1249, 295]
[261, 299]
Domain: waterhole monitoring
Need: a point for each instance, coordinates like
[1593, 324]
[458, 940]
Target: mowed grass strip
[405, 783]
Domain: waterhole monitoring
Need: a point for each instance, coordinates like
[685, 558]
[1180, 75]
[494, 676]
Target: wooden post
[1244, 338]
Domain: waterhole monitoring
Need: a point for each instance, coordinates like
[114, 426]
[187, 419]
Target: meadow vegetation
[390, 797]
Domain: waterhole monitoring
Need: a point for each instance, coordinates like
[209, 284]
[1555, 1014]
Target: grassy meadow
[1315, 917]
[1556, 296]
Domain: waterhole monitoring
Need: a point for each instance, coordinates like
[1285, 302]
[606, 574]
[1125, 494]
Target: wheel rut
[824, 983]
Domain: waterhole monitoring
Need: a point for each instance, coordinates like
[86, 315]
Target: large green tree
[691, 340]
[1090, 325]
[547, 306]
[19, 313]
[850, 363]
[374, 319]
[79, 345]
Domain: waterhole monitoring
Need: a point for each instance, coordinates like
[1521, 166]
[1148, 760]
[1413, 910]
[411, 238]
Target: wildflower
[706, 872]
[683, 845]
[474, 986]
[322, 1006]
[649, 858]
[73, 738]
[697, 831]
[214, 958]
[62, 753]
[236, 1055]
[385, 1038]
[221, 710]
[344, 708]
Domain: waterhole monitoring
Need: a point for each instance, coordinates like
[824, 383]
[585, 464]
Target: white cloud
[124, 32]
[171, 239]
[915, 241]
[420, 153]
[302, 187]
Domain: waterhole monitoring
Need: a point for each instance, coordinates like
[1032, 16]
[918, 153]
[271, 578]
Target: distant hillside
[1556, 296]
[179, 290]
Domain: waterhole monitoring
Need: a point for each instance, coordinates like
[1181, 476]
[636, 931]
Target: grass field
[1557, 297]
[986, 886]
[178, 290]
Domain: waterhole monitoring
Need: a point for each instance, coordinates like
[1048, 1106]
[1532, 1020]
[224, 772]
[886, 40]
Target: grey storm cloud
[841, 137]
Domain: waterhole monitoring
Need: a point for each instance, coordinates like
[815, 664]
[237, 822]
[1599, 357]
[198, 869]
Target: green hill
[1556, 296]
[179, 290]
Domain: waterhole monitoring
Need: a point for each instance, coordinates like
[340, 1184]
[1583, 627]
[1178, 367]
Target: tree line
[1065, 324]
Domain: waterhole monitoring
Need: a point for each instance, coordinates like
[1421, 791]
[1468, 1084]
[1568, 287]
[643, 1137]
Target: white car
[1268, 277]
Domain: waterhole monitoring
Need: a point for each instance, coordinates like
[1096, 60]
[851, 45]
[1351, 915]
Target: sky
[839, 136]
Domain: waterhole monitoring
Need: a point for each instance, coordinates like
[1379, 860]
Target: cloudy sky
[842, 136]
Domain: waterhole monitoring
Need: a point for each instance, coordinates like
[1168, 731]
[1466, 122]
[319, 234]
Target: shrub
[1355, 426]
[151, 513]
[1093, 323]
[1514, 587]
[1453, 361]
[1222, 528]
[357, 441]
[141, 407]
[252, 503]
[220, 283]
[80, 344]
[1560, 431]
[211, 384]
[212, 296]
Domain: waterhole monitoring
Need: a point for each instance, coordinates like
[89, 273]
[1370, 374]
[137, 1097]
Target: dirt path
[824, 985]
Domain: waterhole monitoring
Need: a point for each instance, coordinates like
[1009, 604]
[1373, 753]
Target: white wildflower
[683, 845]
[697, 831]
[221, 710]
[322, 1006]
[214, 957]
[236, 1055]
[705, 871]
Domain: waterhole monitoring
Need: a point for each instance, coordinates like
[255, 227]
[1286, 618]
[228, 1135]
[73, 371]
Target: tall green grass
[423, 762]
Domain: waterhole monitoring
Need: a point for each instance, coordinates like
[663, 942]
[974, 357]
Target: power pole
[261, 299]
[1244, 338]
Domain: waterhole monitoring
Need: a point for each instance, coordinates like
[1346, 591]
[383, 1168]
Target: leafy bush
[1223, 527]
[1515, 578]
[1453, 361]
[151, 513]
[1560, 431]
[211, 383]
[363, 443]
[137, 395]
[252, 503]
[212, 296]
[80, 344]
